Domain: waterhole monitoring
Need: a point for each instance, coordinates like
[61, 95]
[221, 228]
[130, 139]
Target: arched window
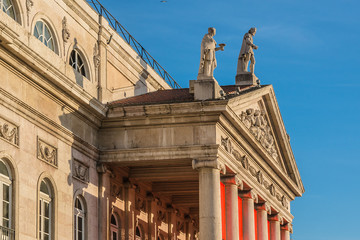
[79, 219]
[6, 200]
[44, 34]
[114, 228]
[8, 7]
[45, 211]
[77, 63]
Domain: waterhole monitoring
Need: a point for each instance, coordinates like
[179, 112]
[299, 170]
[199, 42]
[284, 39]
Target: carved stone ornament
[245, 162]
[116, 191]
[80, 171]
[255, 121]
[47, 153]
[9, 132]
[65, 31]
[29, 5]
[140, 204]
[161, 216]
[180, 226]
[260, 177]
[96, 56]
[226, 143]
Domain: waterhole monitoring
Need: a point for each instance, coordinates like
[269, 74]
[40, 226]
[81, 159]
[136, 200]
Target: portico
[181, 157]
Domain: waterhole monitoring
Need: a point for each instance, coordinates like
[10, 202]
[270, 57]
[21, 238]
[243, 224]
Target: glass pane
[44, 188]
[3, 169]
[47, 226]
[78, 204]
[75, 227]
[6, 223]
[46, 237]
[80, 223]
[47, 210]
[39, 27]
[80, 236]
[114, 236]
[6, 210]
[47, 33]
[113, 220]
[6, 192]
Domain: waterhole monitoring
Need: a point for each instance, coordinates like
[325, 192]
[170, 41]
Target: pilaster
[262, 215]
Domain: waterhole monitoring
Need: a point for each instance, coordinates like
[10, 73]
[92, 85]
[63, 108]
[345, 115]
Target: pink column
[262, 216]
[274, 227]
[248, 215]
[285, 232]
[231, 208]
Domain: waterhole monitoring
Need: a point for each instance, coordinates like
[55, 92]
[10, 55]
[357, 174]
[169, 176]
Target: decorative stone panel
[9, 132]
[80, 171]
[47, 153]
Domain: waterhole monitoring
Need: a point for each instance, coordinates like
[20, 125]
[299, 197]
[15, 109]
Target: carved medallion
[255, 121]
[9, 132]
[80, 171]
[116, 191]
[47, 153]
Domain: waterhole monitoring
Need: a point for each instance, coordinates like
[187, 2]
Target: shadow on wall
[141, 85]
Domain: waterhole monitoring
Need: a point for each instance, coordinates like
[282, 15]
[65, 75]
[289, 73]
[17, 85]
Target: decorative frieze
[255, 121]
[80, 171]
[9, 132]
[258, 174]
[47, 153]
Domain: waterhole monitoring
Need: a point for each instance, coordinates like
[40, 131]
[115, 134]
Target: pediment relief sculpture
[255, 121]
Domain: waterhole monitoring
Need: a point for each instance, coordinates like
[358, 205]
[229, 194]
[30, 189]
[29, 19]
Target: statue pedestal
[205, 89]
[246, 78]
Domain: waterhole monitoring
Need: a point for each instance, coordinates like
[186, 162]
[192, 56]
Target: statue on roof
[247, 53]
[207, 58]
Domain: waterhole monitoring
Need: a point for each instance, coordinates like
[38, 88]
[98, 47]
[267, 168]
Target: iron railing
[7, 233]
[145, 55]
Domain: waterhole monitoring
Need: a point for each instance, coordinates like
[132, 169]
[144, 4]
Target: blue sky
[309, 51]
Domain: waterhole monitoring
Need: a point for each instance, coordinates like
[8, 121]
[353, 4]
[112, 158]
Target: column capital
[275, 218]
[287, 227]
[101, 168]
[263, 207]
[196, 164]
[249, 195]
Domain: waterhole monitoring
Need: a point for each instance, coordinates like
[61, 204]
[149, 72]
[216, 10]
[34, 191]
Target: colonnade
[267, 227]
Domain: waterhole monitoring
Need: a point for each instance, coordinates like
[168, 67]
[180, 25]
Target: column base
[246, 78]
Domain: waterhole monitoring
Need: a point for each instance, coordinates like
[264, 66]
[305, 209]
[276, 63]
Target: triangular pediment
[259, 115]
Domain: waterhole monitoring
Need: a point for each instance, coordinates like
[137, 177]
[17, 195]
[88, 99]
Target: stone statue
[207, 59]
[247, 53]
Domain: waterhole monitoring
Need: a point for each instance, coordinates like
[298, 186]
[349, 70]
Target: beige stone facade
[94, 144]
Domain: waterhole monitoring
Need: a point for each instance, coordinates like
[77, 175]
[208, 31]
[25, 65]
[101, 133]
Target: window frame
[115, 228]
[79, 213]
[13, 6]
[46, 25]
[8, 181]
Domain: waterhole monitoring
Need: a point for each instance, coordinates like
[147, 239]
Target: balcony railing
[7, 233]
[145, 55]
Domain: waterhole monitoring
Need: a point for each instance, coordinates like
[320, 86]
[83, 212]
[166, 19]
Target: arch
[40, 17]
[46, 206]
[139, 232]
[14, 206]
[12, 9]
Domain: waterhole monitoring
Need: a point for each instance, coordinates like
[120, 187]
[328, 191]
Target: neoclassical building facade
[97, 141]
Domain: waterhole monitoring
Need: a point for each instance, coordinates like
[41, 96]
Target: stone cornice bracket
[249, 195]
[196, 164]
